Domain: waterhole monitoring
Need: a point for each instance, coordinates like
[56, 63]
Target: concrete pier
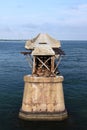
[43, 99]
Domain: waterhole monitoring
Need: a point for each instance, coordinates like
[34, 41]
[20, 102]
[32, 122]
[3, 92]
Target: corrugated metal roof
[42, 39]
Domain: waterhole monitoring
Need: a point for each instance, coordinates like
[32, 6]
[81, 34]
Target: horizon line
[30, 39]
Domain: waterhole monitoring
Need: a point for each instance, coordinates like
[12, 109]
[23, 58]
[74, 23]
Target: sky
[62, 19]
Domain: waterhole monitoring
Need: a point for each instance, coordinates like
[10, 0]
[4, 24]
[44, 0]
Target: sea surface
[13, 66]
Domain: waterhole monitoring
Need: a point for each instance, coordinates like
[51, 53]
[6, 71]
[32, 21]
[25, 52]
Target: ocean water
[13, 66]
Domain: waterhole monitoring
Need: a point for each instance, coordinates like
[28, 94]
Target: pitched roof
[43, 50]
[42, 39]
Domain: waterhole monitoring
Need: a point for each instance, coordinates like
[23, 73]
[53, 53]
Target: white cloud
[62, 22]
[76, 16]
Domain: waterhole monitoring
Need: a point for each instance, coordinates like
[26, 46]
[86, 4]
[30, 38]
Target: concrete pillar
[43, 99]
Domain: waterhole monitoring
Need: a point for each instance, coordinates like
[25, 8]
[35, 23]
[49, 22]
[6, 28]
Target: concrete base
[43, 116]
[43, 99]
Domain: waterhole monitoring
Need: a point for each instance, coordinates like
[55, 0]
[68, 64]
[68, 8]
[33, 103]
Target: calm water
[13, 66]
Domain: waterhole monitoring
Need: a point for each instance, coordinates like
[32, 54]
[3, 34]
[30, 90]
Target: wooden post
[52, 64]
[34, 65]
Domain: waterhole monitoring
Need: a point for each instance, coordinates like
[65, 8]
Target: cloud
[63, 22]
[29, 26]
[76, 16]
[5, 28]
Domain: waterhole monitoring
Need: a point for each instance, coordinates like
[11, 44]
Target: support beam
[34, 65]
[52, 64]
[43, 63]
[57, 64]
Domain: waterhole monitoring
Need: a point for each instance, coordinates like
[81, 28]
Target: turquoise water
[13, 66]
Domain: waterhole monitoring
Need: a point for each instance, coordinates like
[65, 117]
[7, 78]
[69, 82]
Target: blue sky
[62, 19]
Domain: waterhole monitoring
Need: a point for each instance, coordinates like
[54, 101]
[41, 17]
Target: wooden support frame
[34, 65]
[28, 57]
[43, 63]
[52, 64]
[57, 64]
